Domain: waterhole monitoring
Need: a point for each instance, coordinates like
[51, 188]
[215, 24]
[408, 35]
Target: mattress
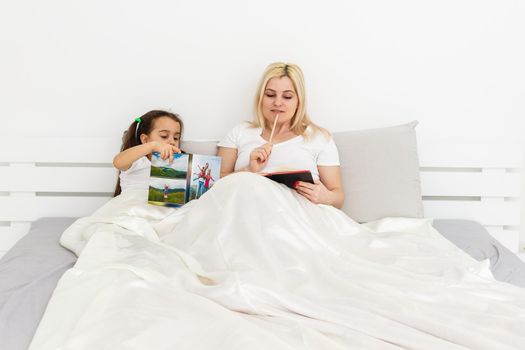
[29, 273]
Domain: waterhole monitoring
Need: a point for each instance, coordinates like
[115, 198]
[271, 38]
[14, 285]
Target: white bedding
[253, 265]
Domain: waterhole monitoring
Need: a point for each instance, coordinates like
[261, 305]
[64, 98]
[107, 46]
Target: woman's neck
[281, 133]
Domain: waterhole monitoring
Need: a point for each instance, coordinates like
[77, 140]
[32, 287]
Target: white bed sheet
[254, 265]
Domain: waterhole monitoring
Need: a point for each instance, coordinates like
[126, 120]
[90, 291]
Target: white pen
[273, 128]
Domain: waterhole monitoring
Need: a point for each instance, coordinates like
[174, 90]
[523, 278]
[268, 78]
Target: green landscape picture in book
[188, 177]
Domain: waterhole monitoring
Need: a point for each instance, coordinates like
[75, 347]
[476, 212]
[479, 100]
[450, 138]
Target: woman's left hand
[316, 193]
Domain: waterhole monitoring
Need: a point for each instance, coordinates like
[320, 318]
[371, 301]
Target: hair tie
[138, 120]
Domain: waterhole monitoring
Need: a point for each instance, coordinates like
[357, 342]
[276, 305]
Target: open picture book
[188, 177]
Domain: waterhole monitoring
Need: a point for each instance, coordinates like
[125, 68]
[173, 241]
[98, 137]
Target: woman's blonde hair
[300, 121]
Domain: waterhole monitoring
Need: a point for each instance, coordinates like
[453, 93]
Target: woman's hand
[165, 150]
[259, 157]
[316, 193]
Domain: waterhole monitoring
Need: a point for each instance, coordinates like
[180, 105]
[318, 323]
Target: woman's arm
[331, 178]
[229, 157]
[329, 190]
[258, 159]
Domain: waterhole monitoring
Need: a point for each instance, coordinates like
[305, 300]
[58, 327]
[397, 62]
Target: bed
[465, 215]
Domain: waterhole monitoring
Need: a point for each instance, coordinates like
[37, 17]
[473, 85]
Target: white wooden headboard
[480, 182]
[73, 176]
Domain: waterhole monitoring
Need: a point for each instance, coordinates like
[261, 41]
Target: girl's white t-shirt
[294, 154]
[137, 176]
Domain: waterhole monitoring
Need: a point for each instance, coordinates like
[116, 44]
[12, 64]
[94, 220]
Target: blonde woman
[296, 142]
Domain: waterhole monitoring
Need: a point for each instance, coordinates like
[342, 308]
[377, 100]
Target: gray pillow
[475, 240]
[379, 168]
[200, 147]
[380, 172]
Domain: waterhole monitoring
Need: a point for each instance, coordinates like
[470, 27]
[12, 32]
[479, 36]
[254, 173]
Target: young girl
[155, 131]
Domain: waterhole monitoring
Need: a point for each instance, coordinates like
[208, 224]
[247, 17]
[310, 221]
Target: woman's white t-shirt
[137, 176]
[294, 154]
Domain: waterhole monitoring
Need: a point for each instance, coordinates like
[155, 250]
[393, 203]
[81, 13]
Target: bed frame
[73, 176]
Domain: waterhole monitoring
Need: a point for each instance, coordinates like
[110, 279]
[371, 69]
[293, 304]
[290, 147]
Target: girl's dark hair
[131, 137]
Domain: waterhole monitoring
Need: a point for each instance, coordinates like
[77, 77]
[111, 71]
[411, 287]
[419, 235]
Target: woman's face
[279, 98]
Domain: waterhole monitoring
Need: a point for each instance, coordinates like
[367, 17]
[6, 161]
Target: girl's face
[279, 98]
[165, 130]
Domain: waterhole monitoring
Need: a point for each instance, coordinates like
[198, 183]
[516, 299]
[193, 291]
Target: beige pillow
[379, 168]
[380, 172]
[200, 147]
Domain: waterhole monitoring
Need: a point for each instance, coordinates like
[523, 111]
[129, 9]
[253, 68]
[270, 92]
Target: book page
[168, 182]
[205, 171]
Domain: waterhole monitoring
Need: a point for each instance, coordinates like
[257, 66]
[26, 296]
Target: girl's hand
[316, 193]
[259, 157]
[165, 150]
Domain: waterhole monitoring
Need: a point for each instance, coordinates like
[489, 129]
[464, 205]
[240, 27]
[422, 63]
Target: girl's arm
[124, 159]
[327, 191]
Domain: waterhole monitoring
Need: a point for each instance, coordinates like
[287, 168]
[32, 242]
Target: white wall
[89, 67]
[85, 67]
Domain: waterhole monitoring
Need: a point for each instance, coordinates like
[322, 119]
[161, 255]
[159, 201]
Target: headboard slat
[499, 184]
[20, 208]
[59, 150]
[471, 155]
[502, 213]
[57, 179]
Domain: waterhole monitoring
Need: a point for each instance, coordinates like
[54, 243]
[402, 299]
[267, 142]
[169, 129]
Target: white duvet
[253, 265]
